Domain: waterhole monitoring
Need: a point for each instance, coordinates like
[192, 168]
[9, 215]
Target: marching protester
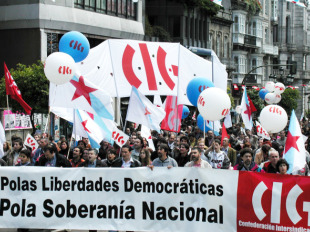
[25, 158]
[77, 157]
[271, 165]
[247, 164]
[111, 157]
[145, 157]
[126, 161]
[137, 147]
[12, 157]
[51, 158]
[282, 166]
[64, 148]
[217, 158]
[6, 148]
[39, 152]
[93, 161]
[197, 162]
[164, 160]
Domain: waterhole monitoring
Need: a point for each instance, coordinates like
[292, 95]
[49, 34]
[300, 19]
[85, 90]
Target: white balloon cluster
[275, 90]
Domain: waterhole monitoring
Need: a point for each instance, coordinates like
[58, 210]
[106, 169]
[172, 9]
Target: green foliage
[253, 6]
[206, 6]
[148, 27]
[33, 86]
[161, 33]
[289, 100]
[257, 101]
[231, 98]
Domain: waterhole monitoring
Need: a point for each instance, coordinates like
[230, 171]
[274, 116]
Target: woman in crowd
[282, 166]
[145, 157]
[64, 148]
[6, 148]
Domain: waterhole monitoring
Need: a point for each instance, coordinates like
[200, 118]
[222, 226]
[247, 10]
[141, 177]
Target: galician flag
[94, 127]
[142, 111]
[81, 94]
[294, 150]
[246, 112]
[297, 2]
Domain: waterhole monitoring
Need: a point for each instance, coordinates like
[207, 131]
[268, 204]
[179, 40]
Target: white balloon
[270, 98]
[213, 104]
[279, 88]
[238, 109]
[277, 99]
[59, 68]
[270, 86]
[273, 118]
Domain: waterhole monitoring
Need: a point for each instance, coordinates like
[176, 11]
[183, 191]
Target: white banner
[31, 142]
[177, 199]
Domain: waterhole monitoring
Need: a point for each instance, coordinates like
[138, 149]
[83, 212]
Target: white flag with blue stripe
[142, 111]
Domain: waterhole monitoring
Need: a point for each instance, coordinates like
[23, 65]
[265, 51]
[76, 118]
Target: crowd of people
[240, 150]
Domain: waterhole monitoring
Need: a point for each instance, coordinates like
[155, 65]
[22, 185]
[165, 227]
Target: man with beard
[164, 160]
[197, 162]
[77, 159]
[247, 163]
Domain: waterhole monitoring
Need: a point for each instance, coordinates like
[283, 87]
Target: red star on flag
[248, 111]
[291, 142]
[84, 126]
[147, 112]
[81, 89]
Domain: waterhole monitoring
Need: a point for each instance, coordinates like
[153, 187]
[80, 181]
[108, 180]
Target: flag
[94, 127]
[217, 126]
[31, 142]
[13, 91]
[142, 111]
[218, 2]
[297, 2]
[294, 150]
[291, 87]
[172, 121]
[227, 120]
[224, 133]
[236, 87]
[246, 112]
[2, 140]
[261, 131]
[146, 133]
[157, 101]
[301, 116]
[194, 116]
[81, 94]
[253, 108]
[119, 137]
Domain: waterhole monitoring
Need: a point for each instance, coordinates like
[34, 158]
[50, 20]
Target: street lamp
[288, 80]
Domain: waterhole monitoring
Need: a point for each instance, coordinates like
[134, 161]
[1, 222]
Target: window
[52, 43]
[242, 64]
[267, 2]
[211, 40]
[236, 24]
[236, 63]
[226, 47]
[121, 8]
[266, 36]
[254, 29]
[274, 9]
[239, 24]
[256, 62]
[288, 29]
[218, 45]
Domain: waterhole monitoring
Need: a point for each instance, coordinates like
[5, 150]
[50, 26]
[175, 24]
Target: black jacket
[119, 162]
[99, 164]
[61, 161]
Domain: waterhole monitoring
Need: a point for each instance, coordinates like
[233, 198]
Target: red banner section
[273, 202]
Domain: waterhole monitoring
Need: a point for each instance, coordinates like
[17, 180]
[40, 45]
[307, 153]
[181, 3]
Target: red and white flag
[142, 111]
[13, 91]
[236, 87]
[31, 142]
[261, 131]
[172, 121]
[194, 116]
[146, 133]
[255, 87]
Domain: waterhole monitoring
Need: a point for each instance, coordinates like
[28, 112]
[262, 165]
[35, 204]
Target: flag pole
[128, 110]
[177, 124]
[7, 103]
[117, 95]
[212, 81]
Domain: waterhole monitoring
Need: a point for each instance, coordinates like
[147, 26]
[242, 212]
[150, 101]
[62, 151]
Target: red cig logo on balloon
[275, 110]
[225, 112]
[64, 70]
[76, 45]
[201, 101]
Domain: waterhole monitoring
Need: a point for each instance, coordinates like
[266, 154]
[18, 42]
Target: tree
[33, 86]
[289, 100]
[206, 6]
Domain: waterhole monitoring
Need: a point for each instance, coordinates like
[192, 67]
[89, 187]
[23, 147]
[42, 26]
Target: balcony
[306, 49]
[252, 41]
[270, 49]
[291, 47]
[238, 38]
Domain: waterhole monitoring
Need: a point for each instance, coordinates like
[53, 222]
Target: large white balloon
[278, 98]
[270, 98]
[270, 86]
[273, 118]
[213, 104]
[279, 88]
[59, 68]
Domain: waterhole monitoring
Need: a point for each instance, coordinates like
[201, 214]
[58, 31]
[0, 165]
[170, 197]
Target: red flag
[236, 87]
[224, 133]
[172, 120]
[255, 87]
[12, 89]
[253, 108]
